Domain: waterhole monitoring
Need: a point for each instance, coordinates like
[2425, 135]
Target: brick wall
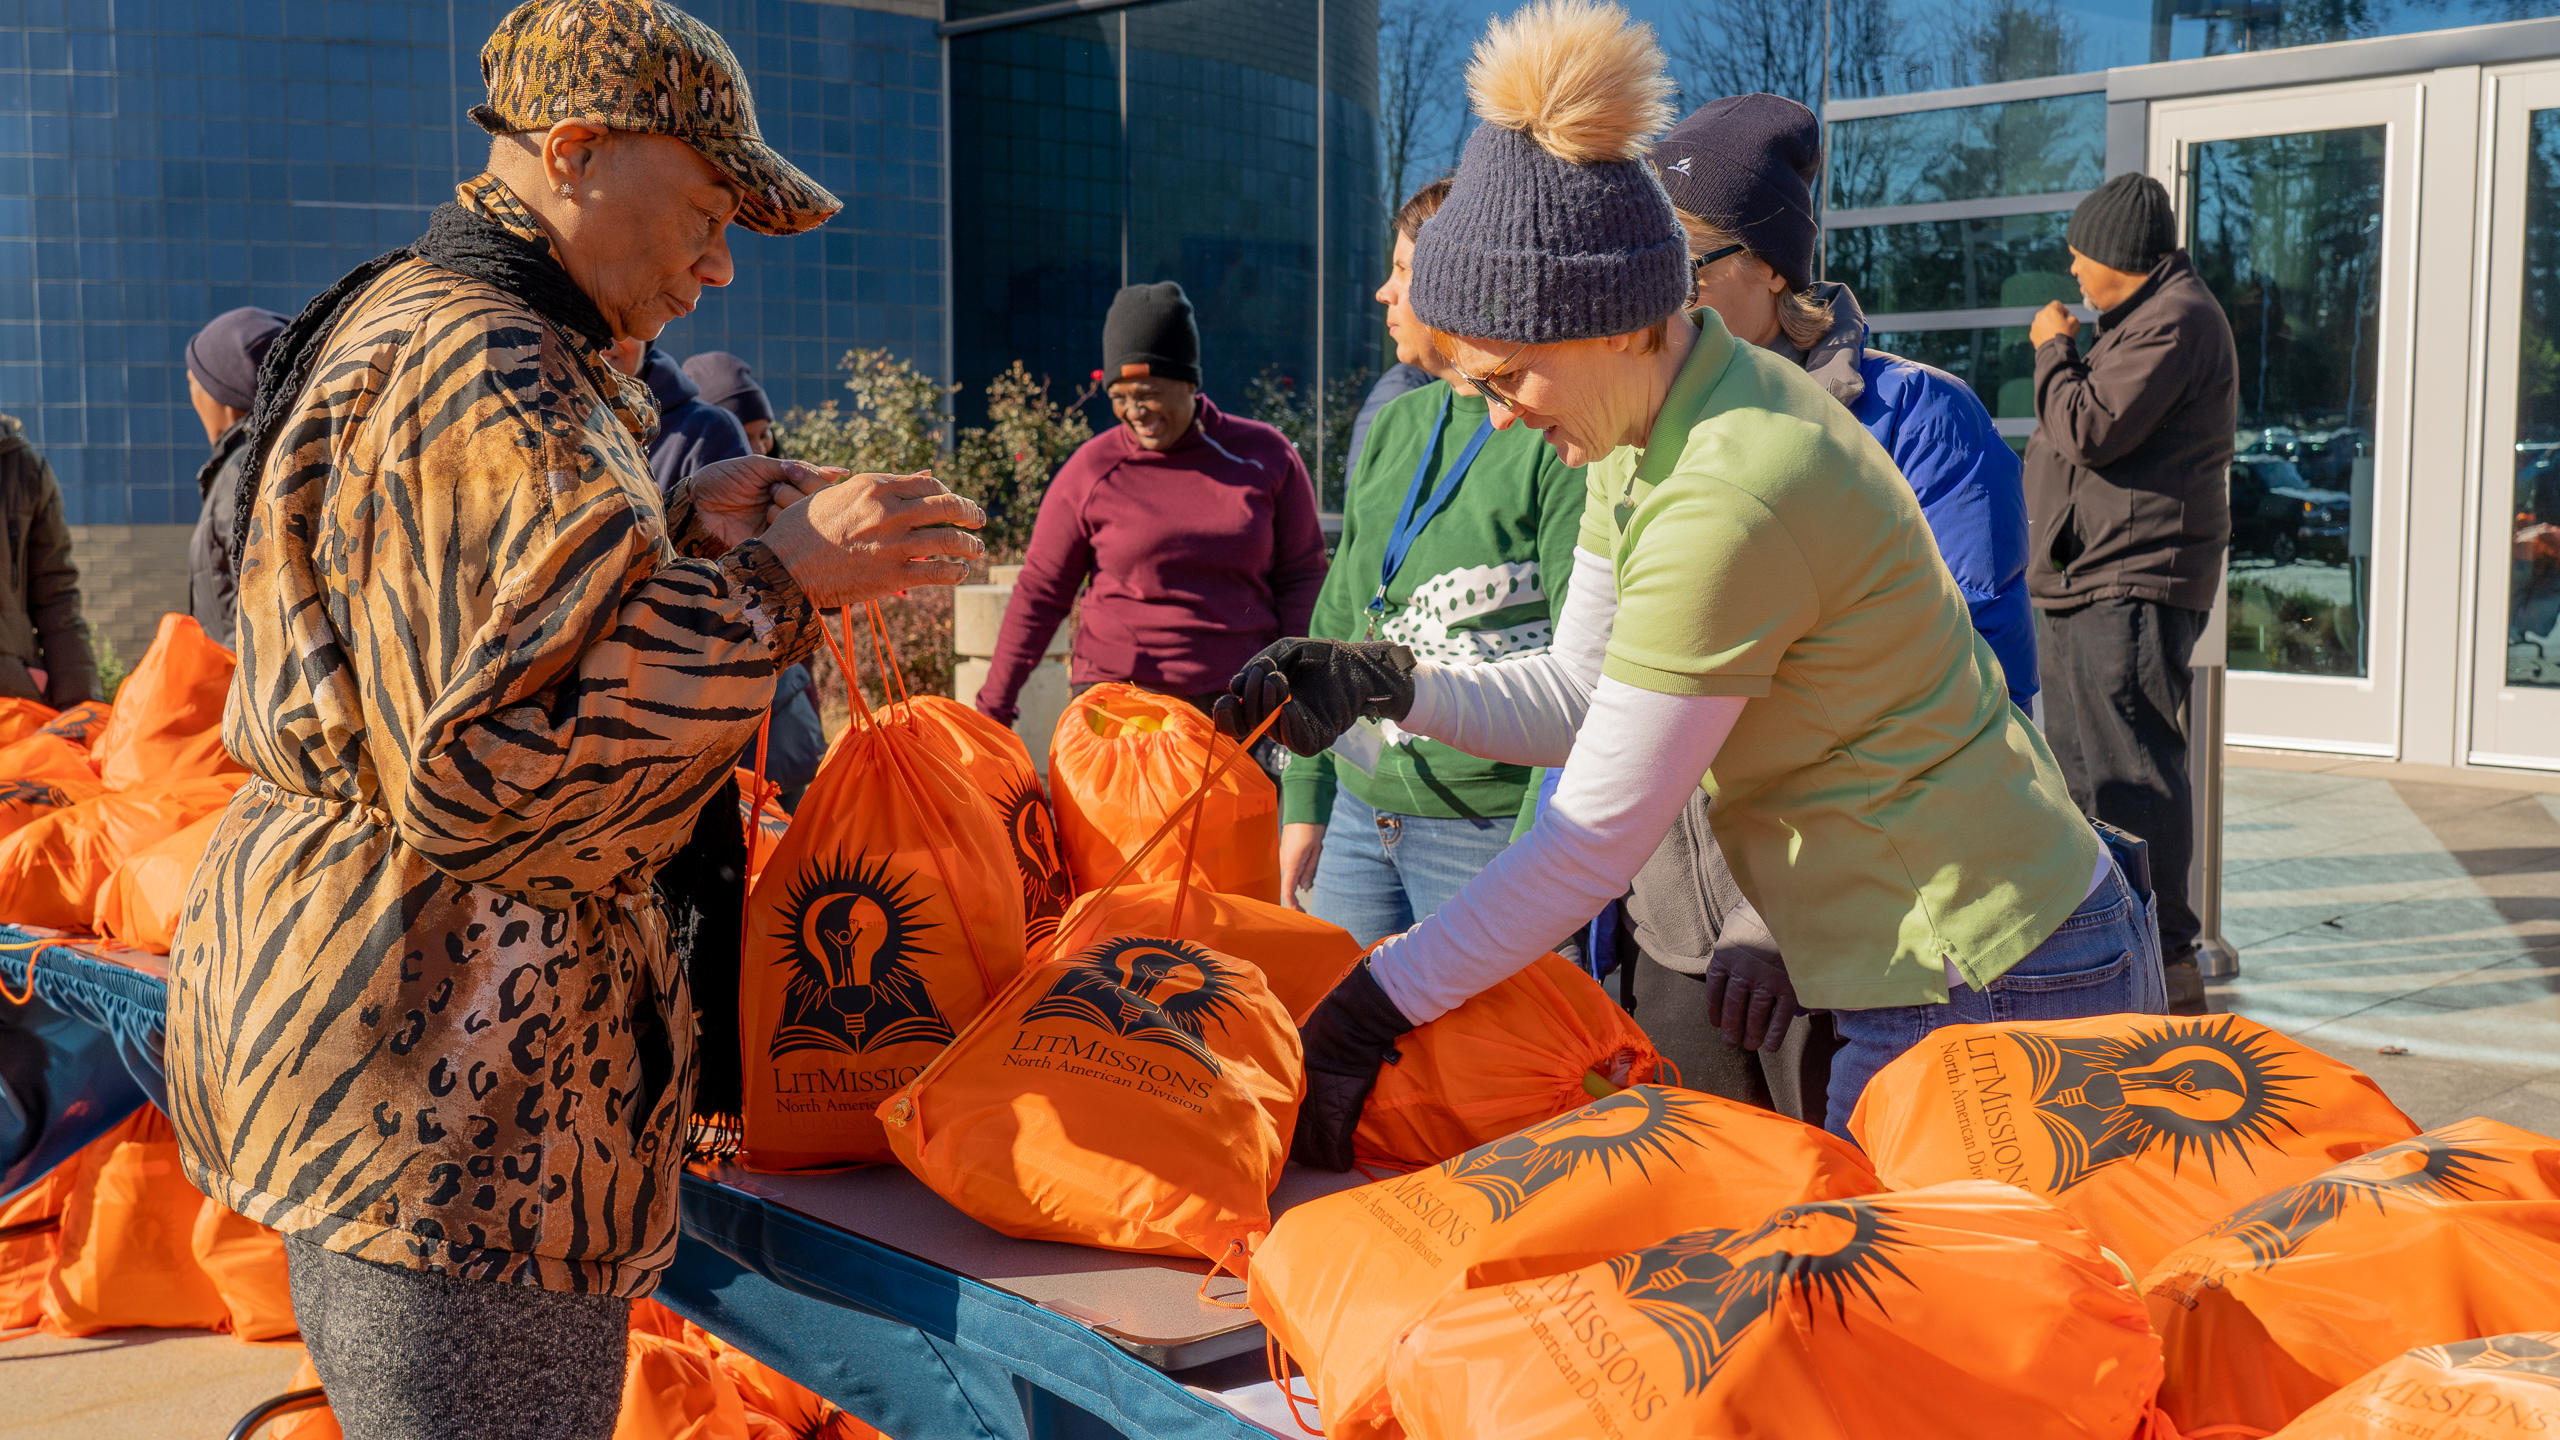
[130, 575]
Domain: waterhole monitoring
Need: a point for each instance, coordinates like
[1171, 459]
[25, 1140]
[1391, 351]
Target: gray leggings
[412, 1355]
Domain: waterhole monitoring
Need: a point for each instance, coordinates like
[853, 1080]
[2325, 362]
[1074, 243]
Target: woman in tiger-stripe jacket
[424, 1010]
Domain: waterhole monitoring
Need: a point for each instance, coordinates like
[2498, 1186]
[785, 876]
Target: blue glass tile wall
[162, 161]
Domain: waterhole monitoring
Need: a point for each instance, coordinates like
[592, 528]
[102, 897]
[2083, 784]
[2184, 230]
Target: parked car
[2275, 516]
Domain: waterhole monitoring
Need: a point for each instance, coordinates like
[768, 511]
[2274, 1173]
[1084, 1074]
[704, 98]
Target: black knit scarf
[460, 240]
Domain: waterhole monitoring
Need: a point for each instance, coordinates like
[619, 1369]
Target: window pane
[1955, 264]
[2025, 147]
[2288, 234]
[1997, 363]
[2533, 592]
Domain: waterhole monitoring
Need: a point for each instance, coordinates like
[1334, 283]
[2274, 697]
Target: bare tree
[1744, 47]
[1422, 97]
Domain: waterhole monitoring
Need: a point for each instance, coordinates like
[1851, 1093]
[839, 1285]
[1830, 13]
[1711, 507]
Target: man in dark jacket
[2129, 513]
[691, 434]
[40, 627]
[222, 377]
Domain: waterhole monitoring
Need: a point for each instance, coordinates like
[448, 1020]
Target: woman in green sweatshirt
[1456, 541]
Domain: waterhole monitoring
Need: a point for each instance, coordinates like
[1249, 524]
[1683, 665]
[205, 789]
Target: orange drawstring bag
[80, 724]
[30, 1224]
[1120, 761]
[1301, 957]
[168, 725]
[995, 760]
[1533, 1047]
[2148, 1128]
[883, 922]
[1137, 1094]
[143, 898]
[2453, 1235]
[126, 1254]
[1342, 1276]
[23, 802]
[245, 1260]
[53, 868]
[675, 1391]
[22, 718]
[1974, 1309]
[2505, 1385]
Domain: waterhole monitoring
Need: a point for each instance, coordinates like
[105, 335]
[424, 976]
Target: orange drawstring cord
[1275, 1361]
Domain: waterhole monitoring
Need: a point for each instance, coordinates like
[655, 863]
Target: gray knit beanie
[1557, 227]
[2126, 224]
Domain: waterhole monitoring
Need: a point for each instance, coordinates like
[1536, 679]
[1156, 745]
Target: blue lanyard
[1413, 517]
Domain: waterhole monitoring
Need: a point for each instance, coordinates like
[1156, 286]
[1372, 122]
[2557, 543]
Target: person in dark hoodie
[730, 383]
[40, 625]
[1741, 173]
[222, 376]
[1197, 528]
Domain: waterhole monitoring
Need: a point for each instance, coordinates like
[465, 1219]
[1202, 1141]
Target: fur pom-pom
[1578, 76]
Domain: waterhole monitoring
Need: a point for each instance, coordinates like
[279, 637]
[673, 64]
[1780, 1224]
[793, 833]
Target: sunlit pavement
[2379, 908]
[136, 1385]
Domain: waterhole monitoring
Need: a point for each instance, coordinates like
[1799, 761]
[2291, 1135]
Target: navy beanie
[224, 355]
[1749, 165]
[1150, 332]
[1555, 227]
[730, 383]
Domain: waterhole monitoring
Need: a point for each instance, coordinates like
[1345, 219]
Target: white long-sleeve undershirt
[1638, 759]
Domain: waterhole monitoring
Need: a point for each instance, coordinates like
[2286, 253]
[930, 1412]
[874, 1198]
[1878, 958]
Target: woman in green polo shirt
[1756, 607]
[1456, 540]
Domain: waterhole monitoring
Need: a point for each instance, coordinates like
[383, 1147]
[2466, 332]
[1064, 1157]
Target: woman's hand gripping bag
[2453, 1235]
[1301, 957]
[1137, 1095]
[1342, 1276]
[881, 925]
[1533, 1047]
[2148, 1128]
[2492, 1389]
[168, 722]
[995, 761]
[1122, 759]
[1970, 1309]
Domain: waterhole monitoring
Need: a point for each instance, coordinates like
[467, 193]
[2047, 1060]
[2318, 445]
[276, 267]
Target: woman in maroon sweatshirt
[1197, 528]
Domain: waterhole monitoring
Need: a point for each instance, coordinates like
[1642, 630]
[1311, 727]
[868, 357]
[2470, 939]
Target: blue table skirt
[921, 1352]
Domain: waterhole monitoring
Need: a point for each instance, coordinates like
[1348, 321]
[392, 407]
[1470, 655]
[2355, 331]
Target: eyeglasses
[1712, 256]
[1485, 382]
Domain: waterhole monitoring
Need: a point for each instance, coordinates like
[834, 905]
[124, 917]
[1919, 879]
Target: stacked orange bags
[30, 1226]
[22, 718]
[142, 900]
[1973, 1309]
[2453, 1235]
[49, 767]
[882, 923]
[1341, 1277]
[126, 1251]
[54, 869]
[2147, 1128]
[1535, 1046]
[1122, 759]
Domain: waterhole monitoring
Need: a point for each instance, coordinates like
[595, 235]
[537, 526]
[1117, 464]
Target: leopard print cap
[644, 66]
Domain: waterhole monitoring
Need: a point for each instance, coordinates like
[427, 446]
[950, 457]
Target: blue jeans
[2104, 960]
[1381, 872]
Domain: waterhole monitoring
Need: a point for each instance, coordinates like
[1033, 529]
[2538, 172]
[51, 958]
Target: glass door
[2297, 208]
[2515, 710]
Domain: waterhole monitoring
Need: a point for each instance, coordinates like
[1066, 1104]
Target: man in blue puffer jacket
[1742, 173]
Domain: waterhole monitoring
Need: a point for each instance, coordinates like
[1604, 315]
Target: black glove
[1349, 1036]
[1750, 997]
[1325, 685]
